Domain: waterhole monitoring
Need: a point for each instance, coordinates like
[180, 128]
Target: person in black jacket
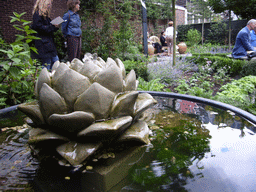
[41, 23]
[162, 39]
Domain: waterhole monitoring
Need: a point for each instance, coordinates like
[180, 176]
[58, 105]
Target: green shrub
[153, 85]
[249, 68]
[233, 66]
[139, 67]
[19, 71]
[193, 37]
[239, 93]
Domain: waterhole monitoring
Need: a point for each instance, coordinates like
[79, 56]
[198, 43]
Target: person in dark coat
[47, 52]
[162, 39]
[71, 29]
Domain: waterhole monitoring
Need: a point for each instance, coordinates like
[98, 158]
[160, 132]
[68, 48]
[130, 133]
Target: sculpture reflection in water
[178, 141]
[85, 110]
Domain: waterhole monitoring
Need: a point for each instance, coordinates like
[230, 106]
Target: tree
[201, 8]
[220, 6]
[159, 9]
[245, 9]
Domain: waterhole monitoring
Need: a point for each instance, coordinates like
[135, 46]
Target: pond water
[194, 147]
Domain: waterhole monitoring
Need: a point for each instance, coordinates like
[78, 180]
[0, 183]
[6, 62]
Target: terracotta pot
[182, 47]
[151, 49]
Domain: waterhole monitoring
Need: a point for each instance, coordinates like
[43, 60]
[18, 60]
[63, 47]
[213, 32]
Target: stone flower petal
[98, 63]
[97, 100]
[111, 78]
[32, 110]
[110, 61]
[124, 104]
[107, 129]
[76, 153]
[130, 81]
[138, 132]
[62, 67]
[55, 65]
[102, 62]
[90, 70]
[38, 135]
[121, 66]
[143, 102]
[70, 85]
[44, 77]
[72, 122]
[76, 64]
[51, 102]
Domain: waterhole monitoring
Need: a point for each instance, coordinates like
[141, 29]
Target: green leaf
[3, 51]
[3, 92]
[6, 66]
[28, 40]
[13, 19]
[16, 15]
[27, 23]
[26, 84]
[23, 14]
[19, 37]
[16, 60]
[19, 29]
[14, 72]
[34, 49]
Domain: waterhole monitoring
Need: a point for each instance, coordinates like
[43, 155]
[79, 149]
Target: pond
[194, 147]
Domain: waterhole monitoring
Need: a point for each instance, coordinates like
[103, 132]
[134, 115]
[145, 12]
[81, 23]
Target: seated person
[162, 39]
[253, 38]
[243, 40]
[156, 43]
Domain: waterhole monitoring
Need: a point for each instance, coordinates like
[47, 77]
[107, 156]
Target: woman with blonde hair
[169, 37]
[71, 29]
[42, 24]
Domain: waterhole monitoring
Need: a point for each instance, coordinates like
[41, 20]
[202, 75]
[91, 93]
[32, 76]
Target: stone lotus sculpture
[84, 106]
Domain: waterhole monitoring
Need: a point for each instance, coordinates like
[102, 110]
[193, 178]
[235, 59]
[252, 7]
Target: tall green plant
[193, 37]
[18, 72]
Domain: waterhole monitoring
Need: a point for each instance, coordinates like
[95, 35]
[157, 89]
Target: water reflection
[213, 151]
[177, 141]
[17, 165]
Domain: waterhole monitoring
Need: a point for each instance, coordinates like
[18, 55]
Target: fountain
[86, 111]
[180, 143]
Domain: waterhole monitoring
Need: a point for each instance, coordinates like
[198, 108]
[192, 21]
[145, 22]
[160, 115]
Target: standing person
[41, 23]
[243, 40]
[71, 29]
[169, 37]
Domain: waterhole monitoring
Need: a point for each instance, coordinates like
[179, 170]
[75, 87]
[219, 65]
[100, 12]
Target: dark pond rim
[246, 115]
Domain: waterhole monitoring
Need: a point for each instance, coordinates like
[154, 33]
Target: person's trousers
[48, 62]
[74, 47]
[169, 40]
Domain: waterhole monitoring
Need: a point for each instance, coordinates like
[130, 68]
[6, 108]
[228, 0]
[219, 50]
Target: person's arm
[40, 27]
[64, 25]
[246, 42]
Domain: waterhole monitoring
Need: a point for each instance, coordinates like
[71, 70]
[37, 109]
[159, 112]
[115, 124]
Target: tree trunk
[229, 29]
[174, 33]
